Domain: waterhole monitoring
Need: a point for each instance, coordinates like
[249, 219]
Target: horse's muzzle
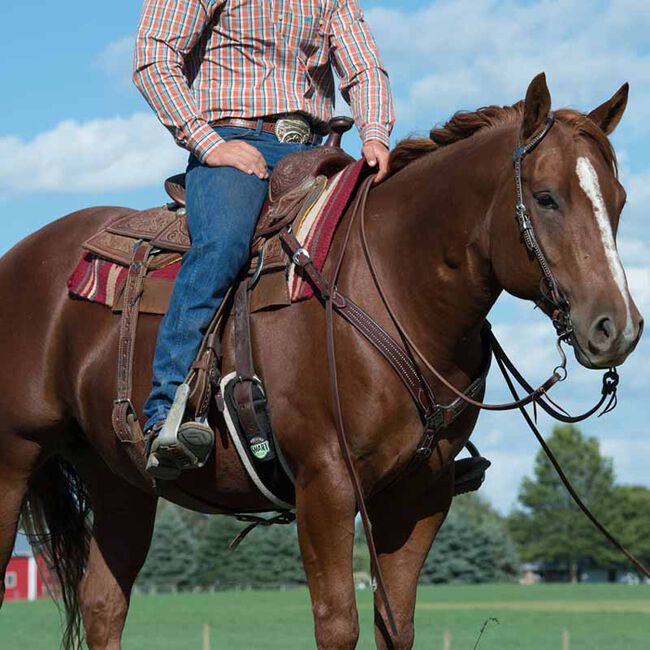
[604, 345]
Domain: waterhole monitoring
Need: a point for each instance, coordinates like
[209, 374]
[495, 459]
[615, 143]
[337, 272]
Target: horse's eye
[546, 201]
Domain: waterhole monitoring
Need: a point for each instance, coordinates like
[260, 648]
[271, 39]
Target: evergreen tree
[171, 563]
[218, 566]
[550, 527]
[273, 557]
[267, 558]
[473, 545]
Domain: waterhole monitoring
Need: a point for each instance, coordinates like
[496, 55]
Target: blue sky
[74, 132]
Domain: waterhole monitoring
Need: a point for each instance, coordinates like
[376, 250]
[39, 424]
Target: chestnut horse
[443, 233]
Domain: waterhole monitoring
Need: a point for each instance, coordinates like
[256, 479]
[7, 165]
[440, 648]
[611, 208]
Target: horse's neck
[430, 226]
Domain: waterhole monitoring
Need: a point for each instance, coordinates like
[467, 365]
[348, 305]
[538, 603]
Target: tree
[473, 545]
[550, 527]
[171, 563]
[632, 505]
[267, 558]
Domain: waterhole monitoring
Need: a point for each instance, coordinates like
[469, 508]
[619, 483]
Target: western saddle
[152, 239]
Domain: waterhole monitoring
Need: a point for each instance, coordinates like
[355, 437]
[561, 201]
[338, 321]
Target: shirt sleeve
[167, 32]
[364, 81]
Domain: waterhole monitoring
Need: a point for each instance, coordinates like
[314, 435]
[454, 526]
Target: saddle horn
[338, 126]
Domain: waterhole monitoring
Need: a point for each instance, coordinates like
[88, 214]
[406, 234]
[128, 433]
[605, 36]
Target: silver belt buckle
[293, 129]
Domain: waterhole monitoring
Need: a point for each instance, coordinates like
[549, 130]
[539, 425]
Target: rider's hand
[240, 155]
[376, 153]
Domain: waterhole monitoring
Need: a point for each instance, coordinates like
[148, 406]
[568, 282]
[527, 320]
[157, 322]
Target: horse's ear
[536, 107]
[608, 115]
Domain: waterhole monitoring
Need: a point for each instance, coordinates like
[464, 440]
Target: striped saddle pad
[101, 280]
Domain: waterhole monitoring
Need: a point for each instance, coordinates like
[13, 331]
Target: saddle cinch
[156, 238]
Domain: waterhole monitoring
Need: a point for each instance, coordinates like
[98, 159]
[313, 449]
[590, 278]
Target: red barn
[24, 576]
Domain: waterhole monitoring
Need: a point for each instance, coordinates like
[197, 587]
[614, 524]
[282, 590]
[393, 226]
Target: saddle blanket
[102, 281]
[316, 228]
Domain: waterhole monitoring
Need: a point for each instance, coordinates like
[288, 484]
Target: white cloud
[97, 155]
[454, 54]
[116, 60]
[626, 454]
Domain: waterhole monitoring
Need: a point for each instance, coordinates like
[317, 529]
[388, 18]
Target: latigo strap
[125, 421]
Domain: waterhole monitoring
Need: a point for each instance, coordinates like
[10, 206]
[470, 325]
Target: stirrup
[470, 474]
[179, 446]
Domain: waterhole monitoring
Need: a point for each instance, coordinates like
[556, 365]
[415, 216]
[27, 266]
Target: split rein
[553, 302]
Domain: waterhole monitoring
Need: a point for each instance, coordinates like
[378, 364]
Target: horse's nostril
[602, 335]
[606, 327]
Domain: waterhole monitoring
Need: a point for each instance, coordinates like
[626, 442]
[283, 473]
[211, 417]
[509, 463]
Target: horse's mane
[465, 124]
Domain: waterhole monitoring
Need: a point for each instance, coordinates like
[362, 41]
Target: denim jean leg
[222, 209]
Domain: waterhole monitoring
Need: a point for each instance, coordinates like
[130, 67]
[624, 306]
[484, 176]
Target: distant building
[535, 572]
[24, 575]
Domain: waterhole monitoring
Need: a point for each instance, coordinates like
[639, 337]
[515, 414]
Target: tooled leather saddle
[154, 238]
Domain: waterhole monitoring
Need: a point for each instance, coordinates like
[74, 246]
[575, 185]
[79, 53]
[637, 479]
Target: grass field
[598, 617]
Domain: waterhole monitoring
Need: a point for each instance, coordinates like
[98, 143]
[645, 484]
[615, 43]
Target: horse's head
[574, 200]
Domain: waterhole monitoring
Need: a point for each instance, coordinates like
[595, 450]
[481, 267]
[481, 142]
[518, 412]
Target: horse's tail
[56, 518]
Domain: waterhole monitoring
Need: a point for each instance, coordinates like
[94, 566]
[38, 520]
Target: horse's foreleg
[325, 515]
[122, 528]
[18, 459]
[405, 520]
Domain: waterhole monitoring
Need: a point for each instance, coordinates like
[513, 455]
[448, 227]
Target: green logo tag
[261, 449]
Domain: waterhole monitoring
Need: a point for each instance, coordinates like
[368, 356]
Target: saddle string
[380, 584]
[567, 483]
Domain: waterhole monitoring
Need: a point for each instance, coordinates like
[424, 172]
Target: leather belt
[269, 125]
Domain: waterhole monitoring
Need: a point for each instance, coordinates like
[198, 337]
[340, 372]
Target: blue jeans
[223, 205]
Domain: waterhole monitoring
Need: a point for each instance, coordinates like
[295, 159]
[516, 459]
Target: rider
[224, 77]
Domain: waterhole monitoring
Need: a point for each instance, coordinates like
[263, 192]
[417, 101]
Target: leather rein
[434, 415]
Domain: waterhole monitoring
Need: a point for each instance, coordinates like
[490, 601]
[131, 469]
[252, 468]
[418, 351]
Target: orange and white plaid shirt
[197, 61]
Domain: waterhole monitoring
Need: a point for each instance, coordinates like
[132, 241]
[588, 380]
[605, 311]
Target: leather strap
[301, 258]
[268, 125]
[338, 418]
[125, 421]
[243, 391]
[204, 374]
[640, 566]
[528, 399]
[394, 353]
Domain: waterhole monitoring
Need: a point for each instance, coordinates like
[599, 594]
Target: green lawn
[607, 617]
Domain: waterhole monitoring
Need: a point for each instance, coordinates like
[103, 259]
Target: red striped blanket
[101, 281]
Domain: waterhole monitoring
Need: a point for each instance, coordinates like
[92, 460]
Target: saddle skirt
[312, 208]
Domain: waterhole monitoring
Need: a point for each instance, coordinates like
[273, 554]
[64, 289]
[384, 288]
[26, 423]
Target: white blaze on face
[589, 183]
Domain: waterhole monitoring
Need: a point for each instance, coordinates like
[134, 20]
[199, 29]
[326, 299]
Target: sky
[74, 132]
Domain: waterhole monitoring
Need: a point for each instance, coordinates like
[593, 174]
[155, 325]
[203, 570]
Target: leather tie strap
[125, 421]
[302, 259]
[243, 391]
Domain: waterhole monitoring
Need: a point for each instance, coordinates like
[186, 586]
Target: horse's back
[35, 314]
[55, 247]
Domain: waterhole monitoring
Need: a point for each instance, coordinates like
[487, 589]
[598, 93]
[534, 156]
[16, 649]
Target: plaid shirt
[197, 61]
